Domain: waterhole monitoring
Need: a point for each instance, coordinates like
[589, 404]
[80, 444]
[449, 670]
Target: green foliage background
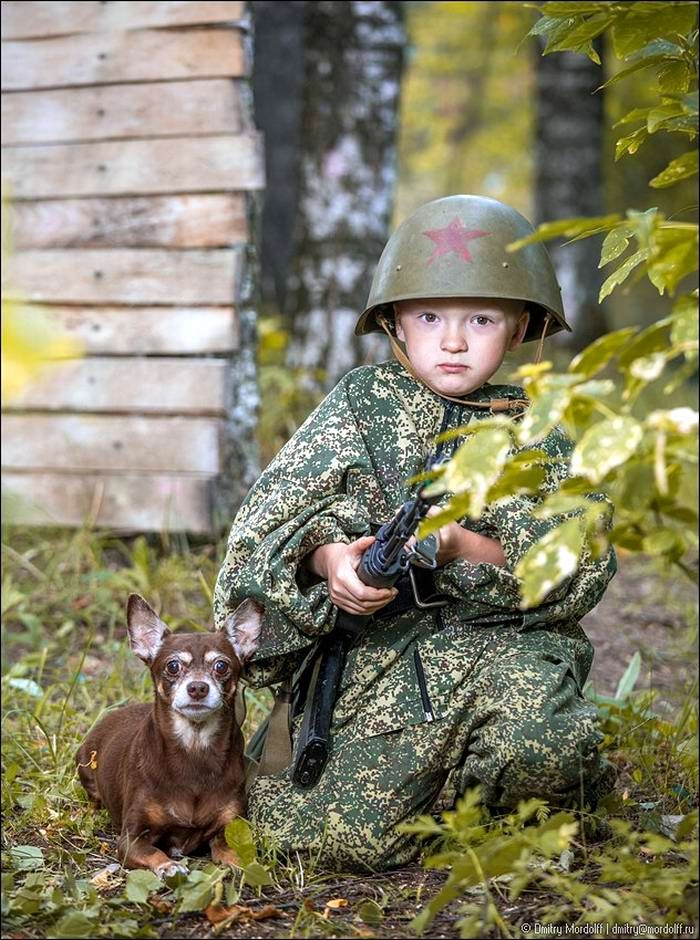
[467, 119]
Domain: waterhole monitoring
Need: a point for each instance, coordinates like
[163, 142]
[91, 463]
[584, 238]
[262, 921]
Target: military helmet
[456, 247]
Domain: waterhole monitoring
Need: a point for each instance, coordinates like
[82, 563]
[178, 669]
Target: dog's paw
[171, 868]
[225, 856]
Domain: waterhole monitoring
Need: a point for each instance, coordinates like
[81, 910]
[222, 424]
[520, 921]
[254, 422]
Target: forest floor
[60, 877]
[643, 611]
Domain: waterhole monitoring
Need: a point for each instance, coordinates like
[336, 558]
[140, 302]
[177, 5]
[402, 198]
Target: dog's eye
[172, 667]
[221, 667]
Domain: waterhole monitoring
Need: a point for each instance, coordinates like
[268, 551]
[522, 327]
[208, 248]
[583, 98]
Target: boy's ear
[146, 630]
[520, 330]
[398, 329]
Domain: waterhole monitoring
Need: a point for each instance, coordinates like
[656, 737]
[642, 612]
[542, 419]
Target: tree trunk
[354, 56]
[569, 180]
[278, 83]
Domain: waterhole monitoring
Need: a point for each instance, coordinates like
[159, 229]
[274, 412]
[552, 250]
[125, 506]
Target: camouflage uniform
[501, 703]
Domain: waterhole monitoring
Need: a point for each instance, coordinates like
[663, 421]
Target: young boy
[433, 700]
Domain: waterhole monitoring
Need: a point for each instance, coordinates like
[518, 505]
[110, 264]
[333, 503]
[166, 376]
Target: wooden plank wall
[132, 164]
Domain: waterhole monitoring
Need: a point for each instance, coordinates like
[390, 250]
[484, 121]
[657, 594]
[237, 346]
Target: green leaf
[643, 63]
[549, 562]
[27, 857]
[615, 243]
[370, 913]
[196, 893]
[239, 837]
[574, 228]
[635, 488]
[622, 273]
[517, 480]
[579, 37]
[596, 356]
[684, 320]
[650, 340]
[557, 504]
[628, 680]
[257, 875]
[644, 23]
[659, 116]
[648, 368]
[550, 396]
[664, 542]
[139, 884]
[75, 924]
[674, 256]
[631, 143]
[477, 464]
[605, 446]
[674, 77]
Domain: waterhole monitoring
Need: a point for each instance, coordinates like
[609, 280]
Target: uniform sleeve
[299, 503]
[493, 592]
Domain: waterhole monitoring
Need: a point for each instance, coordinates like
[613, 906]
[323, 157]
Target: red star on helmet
[453, 237]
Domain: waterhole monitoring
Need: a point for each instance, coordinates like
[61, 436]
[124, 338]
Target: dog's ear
[243, 628]
[146, 629]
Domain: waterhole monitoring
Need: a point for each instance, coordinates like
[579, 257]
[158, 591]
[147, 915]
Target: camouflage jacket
[342, 475]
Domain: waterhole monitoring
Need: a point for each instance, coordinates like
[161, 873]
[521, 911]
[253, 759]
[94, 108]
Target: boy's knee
[338, 837]
[534, 759]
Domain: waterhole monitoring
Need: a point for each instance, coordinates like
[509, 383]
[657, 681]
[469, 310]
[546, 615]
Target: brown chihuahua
[171, 773]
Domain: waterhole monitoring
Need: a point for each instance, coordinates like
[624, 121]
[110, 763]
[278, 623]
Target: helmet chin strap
[496, 404]
[540, 344]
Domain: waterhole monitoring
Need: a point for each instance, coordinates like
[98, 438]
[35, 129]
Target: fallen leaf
[216, 913]
[106, 877]
[336, 903]
[266, 912]
[160, 904]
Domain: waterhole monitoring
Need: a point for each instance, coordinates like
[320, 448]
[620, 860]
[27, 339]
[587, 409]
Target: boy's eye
[428, 317]
[172, 667]
[482, 320]
[221, 667]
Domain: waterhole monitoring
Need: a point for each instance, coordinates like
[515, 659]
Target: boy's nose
[454, 341]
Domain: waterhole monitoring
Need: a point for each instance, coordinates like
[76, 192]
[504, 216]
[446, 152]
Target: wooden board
[22, 19]
[143, 385]
[110, 443]
[119, 168]
[157, 109]
[198, 221]
[108, 57]
[128, 275]
[148, 330]
[130, 502]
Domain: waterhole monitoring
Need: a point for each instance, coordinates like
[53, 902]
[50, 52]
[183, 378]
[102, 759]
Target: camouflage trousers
[509, 717]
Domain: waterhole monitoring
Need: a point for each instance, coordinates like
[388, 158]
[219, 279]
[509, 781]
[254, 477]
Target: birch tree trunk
[354, 53]
[569, 180]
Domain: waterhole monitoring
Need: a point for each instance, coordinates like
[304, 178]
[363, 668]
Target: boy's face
[457, 344]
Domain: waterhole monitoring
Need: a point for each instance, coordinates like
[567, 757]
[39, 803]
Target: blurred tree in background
[568, 143]
[352, 79]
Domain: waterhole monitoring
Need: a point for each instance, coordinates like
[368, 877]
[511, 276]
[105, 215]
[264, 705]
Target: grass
[66, 660]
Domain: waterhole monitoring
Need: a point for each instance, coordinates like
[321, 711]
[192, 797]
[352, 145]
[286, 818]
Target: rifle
[381, 566]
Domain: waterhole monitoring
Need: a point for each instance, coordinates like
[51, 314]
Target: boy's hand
[455, 542]
[337, 563]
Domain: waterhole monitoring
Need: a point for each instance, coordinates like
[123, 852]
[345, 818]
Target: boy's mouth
[452, 367]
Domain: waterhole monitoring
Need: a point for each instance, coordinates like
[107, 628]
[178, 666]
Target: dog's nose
[198, 690]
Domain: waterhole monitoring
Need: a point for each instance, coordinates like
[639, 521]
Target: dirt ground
[655, 614]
